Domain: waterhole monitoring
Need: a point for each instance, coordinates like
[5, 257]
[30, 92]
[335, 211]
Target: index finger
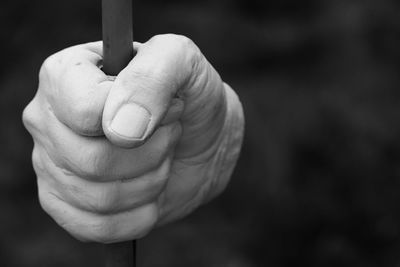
[76, 88]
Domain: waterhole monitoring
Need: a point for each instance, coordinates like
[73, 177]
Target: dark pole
[121, 254]
[117, 35]
[117, 53]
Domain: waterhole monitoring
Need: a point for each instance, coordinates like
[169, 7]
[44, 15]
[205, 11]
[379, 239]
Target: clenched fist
[117, 156]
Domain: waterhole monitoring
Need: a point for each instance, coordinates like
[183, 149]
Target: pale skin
[117, 156]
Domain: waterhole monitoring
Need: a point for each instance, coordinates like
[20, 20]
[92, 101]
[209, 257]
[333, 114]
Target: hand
[117, 156]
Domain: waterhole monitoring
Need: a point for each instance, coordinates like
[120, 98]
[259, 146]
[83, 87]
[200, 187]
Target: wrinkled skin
[118, 156]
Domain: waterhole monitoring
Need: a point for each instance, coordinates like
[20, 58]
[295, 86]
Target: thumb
[144, 93]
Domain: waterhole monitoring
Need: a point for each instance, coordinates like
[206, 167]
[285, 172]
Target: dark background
[318, 180]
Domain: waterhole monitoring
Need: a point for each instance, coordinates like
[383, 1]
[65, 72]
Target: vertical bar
[121, 254]
[117, 53]
[117, 35]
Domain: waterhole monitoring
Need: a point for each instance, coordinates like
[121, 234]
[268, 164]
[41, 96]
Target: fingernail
[131, 121]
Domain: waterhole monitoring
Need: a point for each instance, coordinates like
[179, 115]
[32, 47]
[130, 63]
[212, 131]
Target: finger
[143, 92]
[33, 118]
[97, 159]
[76, 88]
[92, 227]
[103, 197]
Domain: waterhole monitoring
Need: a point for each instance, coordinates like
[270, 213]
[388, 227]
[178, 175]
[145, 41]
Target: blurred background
[318, 182]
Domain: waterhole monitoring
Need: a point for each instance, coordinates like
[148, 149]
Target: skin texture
[118, 156]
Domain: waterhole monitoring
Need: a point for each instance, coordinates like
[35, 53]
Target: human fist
[117, 156]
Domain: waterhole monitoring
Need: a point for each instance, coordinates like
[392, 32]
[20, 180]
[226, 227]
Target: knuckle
[48, 66]
[102, 230]
[32, 119]
[181, 44]
[29, 117]
[177, 39]
[151, 219]
[106, 229]
[96, 228]
[192, 51]
[187, 46]
[54, 61]
[98, 231]
[37, 161]
[181, 51]
[193, 56]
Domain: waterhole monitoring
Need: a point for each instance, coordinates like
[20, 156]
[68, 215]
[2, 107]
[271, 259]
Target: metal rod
[117, 35]
[121, 254]
[117, 53]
